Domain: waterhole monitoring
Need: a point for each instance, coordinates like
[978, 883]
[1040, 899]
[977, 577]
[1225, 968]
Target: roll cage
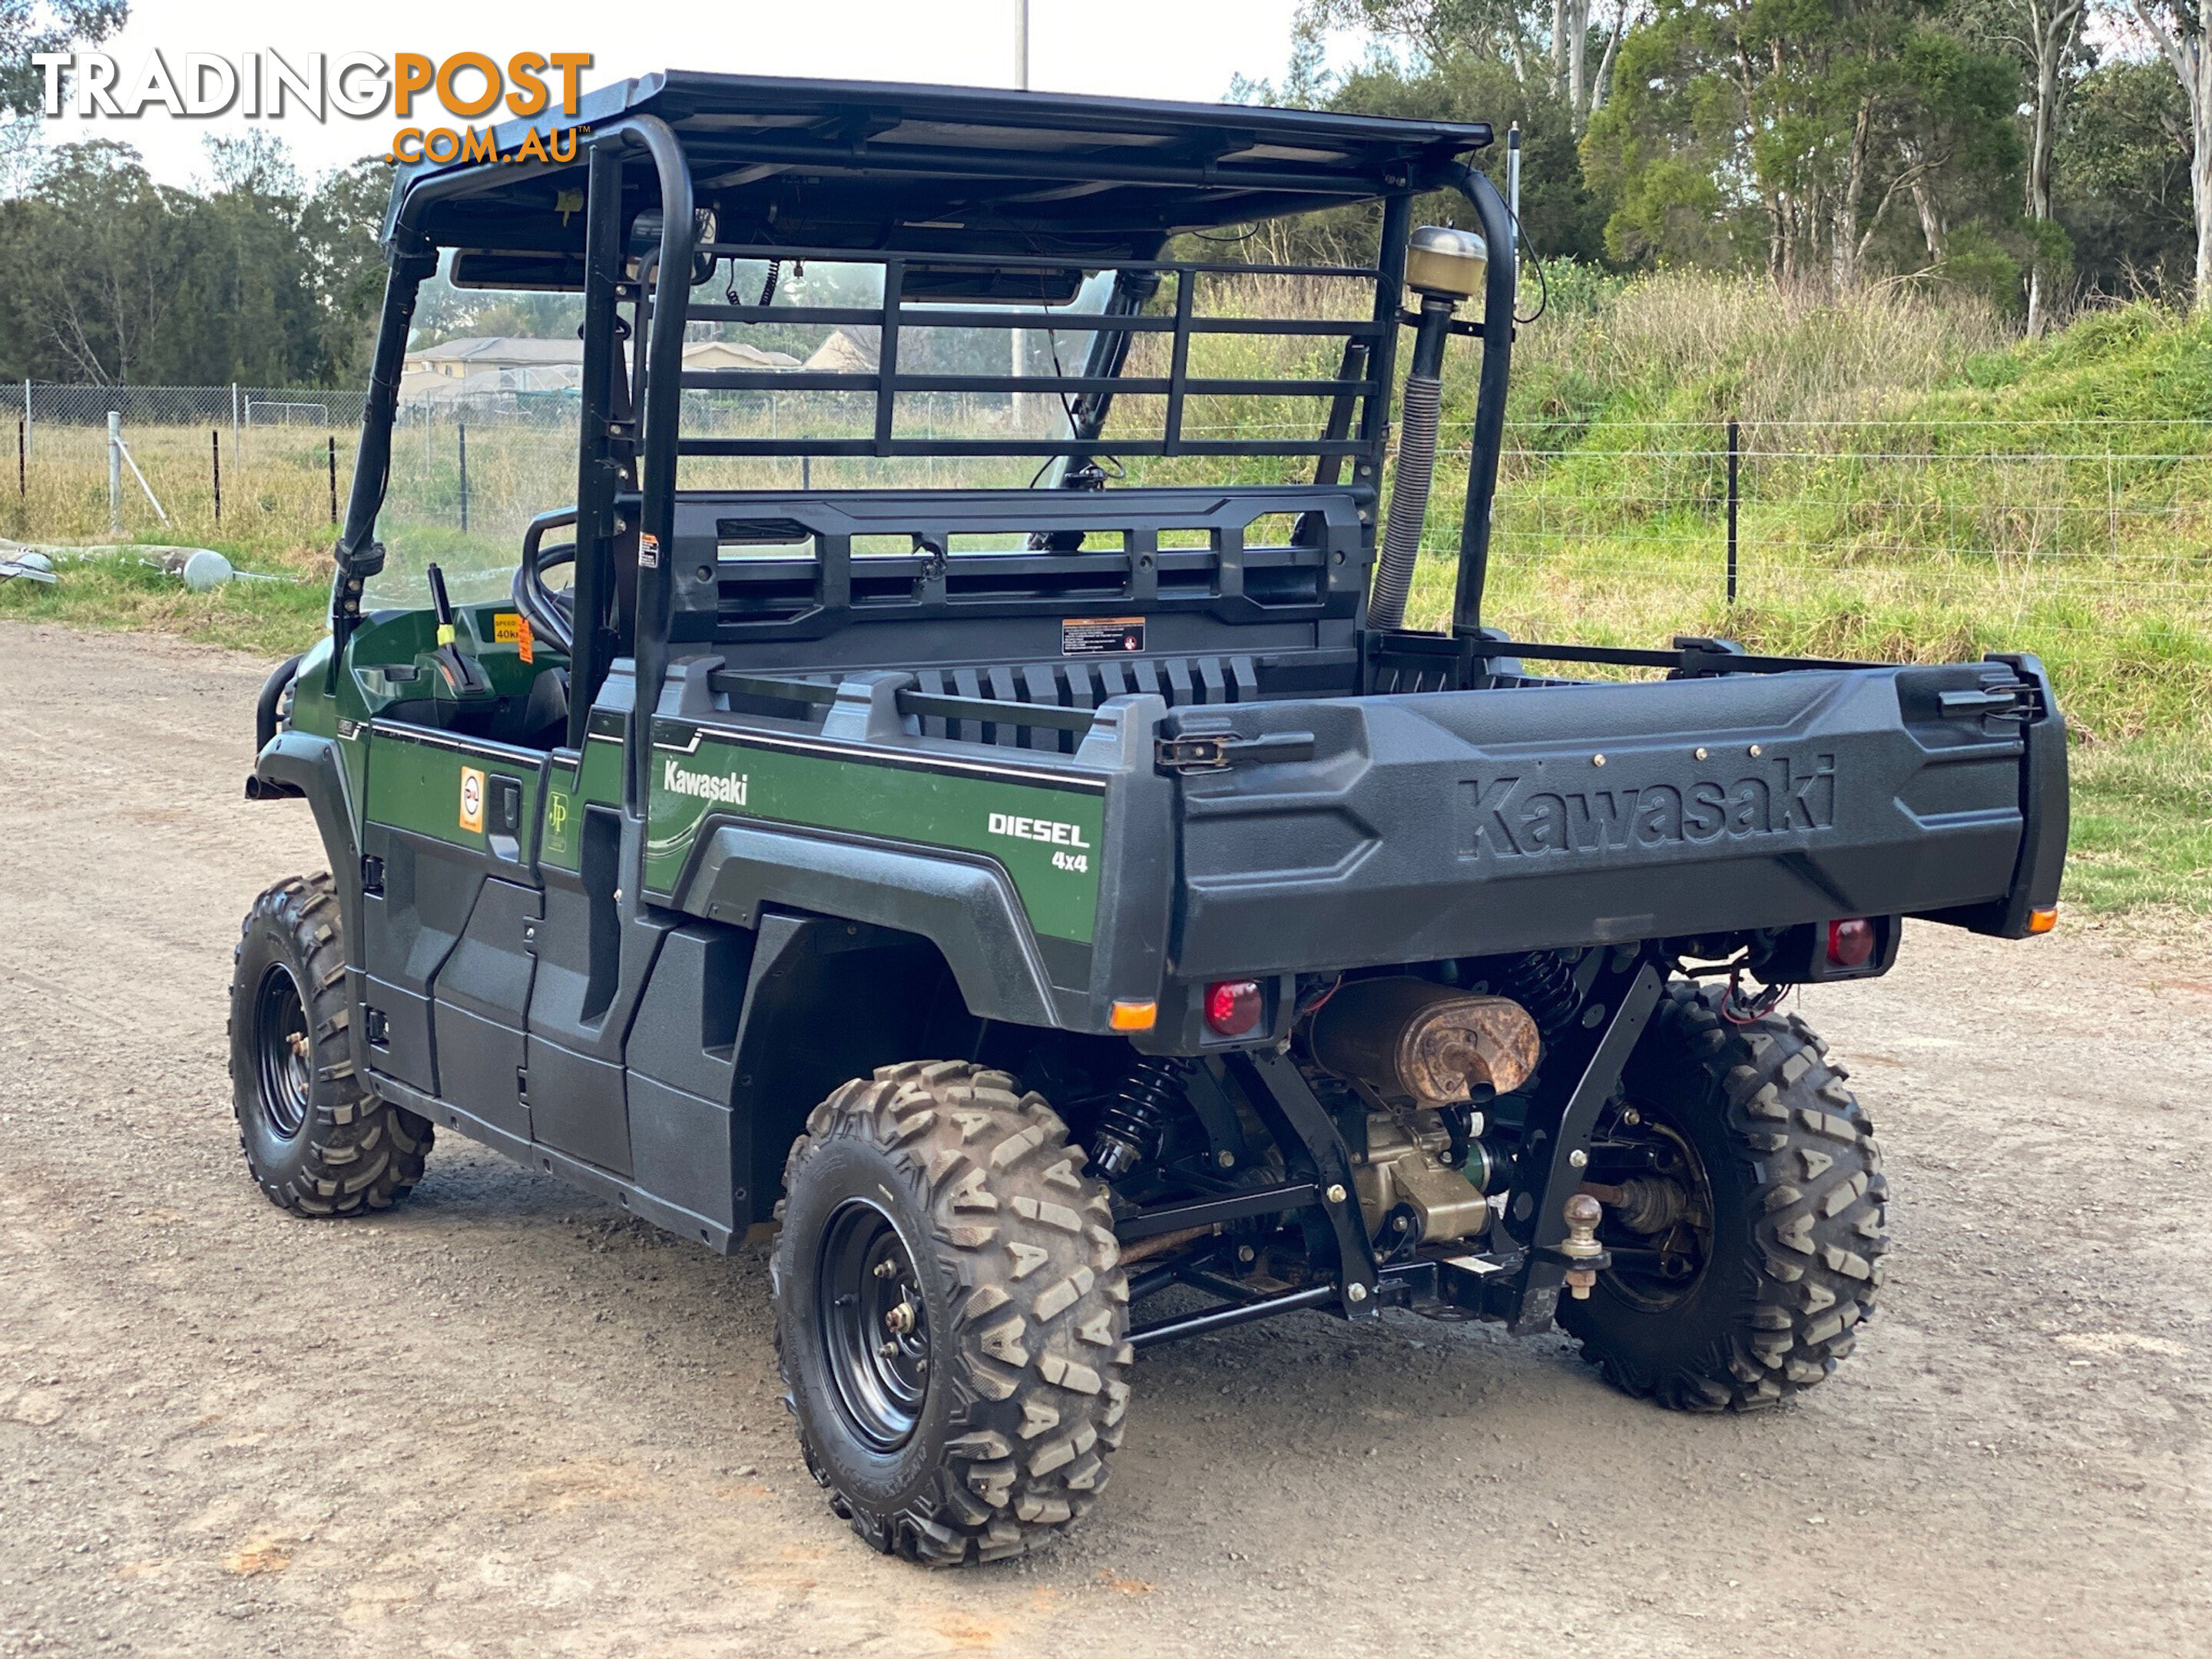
[960, 196]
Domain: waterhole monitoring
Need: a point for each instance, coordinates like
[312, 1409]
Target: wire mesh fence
[2066, 523]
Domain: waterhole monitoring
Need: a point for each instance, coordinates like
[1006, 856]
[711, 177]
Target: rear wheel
[1746, 1259]
[318, 1142]
[949, 1319]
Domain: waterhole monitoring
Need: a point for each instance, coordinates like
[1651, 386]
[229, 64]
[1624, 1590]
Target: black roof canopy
[869, 165]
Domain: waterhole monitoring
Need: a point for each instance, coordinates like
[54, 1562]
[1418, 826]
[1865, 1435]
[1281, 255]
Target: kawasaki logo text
[725, 790]
[1514, 817]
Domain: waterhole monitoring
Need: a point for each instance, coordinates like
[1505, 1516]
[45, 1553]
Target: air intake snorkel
[1445, 266]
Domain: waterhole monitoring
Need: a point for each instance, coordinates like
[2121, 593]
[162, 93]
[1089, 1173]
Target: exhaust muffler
[1408, 1039]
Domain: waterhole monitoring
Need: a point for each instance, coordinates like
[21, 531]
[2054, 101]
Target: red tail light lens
[1850, 944]
[1233, 1007]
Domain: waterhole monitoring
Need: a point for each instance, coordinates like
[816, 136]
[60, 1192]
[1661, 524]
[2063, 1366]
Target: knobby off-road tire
[318, 1142]
[1792, 1259]
[956, 1217]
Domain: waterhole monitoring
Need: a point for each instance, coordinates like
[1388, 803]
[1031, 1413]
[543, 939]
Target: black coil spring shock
[1543, 982]
[1136, 1116]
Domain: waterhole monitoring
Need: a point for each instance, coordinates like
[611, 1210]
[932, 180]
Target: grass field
[1914, 487]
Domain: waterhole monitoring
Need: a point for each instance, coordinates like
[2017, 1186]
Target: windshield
[485, 438]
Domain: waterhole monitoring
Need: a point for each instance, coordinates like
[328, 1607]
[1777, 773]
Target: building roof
[498, 351]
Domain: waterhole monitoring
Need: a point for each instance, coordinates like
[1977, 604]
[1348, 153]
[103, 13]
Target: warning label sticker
[1101, 636]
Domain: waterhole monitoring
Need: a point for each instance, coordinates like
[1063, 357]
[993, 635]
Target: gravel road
[507, 1419]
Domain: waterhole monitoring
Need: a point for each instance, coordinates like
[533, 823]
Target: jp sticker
[473, 799]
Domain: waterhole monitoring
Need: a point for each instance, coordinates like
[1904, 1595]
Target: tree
[108, 278]
[2178, 28]
[2053, 38]
[1806, 120]
[26, 26]
[2046, 39]
[2123, 180]
[1520, 32]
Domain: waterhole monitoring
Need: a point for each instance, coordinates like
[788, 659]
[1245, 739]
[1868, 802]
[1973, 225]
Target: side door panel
[591, 959]
[681, 1055]
[480, 998]
[444, 813]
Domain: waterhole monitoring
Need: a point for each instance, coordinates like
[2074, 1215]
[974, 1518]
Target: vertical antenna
[1019, 350]
[1513, 180]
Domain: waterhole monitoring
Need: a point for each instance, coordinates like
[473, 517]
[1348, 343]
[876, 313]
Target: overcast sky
[1138, 48]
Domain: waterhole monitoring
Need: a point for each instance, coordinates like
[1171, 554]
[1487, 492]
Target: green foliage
[1560, 216]
[2141, 832]
[54, 26]
[1797, 127]
[2123, 181]
[1975, 260]
[108, 277]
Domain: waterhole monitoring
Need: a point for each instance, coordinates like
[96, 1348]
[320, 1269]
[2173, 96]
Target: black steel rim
[873, 1329]
[285, 1050]
[1658, 1271]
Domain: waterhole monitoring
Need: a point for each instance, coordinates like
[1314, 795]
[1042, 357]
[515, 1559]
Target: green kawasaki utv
[1073, 911]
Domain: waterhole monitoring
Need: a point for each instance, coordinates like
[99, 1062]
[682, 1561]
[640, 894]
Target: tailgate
[1472, 823]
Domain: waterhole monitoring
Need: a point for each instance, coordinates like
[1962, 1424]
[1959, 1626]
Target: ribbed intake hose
[1417, 468]
[1409, 502]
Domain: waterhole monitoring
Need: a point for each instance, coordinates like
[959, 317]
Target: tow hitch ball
[1584, 1255]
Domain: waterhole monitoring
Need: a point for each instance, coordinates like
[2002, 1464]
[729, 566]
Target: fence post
[27, 414]
[1735, 451]
[215, 449]
[22, 453]
[334, 478]
[115, 472]
[235, 440]
[463, 426]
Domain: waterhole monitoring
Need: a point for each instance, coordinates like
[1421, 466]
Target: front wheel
[318, 1142]
[1748, 1254]
[950, 1320]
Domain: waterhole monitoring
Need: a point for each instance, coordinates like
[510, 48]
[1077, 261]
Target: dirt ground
[507, 1419]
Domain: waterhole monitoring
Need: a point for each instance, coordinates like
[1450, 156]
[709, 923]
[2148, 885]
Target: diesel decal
[723, 789]
[1045, 829]
[1513, 816]
[472, 800]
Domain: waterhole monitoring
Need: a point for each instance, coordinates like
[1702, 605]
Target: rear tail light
[1233, 1007]
[1850, 944]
